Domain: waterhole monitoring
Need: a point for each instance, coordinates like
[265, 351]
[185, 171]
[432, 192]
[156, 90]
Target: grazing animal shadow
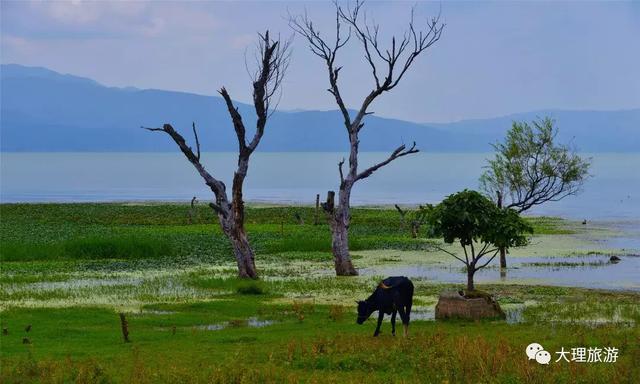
[393, 295]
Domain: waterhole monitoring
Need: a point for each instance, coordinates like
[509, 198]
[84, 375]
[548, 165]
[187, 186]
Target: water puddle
[594, 323]
[514, 314]
[212, 327]
[593, 271]
[252, 322]
[155, 312]
[427, 314]
[82, 283]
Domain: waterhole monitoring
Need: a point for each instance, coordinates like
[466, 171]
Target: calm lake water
[590, 271]
[612, 192]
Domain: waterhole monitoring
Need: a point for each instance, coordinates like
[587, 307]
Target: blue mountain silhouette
[43, 110]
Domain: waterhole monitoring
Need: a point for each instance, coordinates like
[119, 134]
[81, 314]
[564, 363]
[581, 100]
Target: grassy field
[68, 270]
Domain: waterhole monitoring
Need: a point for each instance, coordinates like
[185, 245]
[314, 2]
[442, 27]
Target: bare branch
[217, 209]
[488, 261]
[236, 119]
[273, 63]
[340, 164]
[327, 51]
[399, 152]
[195, 133]
[216, 186]
[393, 57]
[400, 210]
[451, 254]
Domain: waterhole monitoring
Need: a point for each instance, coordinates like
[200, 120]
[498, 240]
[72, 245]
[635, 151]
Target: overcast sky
[493, 59]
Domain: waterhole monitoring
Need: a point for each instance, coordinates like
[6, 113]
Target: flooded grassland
[68, 270]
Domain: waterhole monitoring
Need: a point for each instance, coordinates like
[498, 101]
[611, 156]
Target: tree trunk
[503, 251]
[470, 272]
[340, 248]
[339, 224]
[414, 230]
[243, 253]
[503, 258]
[232, 223]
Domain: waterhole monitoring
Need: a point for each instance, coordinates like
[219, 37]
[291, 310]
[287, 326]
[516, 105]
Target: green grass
[120, 231]
[99, 231]
[544, 225]
[69, 269]
[309, 343]
[88, 248]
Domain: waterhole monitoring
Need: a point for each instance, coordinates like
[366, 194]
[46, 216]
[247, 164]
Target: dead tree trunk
[274, 57]
[339, 218]
[245, 258]
[388, 66]
[402, 215]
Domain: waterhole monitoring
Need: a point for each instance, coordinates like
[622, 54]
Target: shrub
[250, 288]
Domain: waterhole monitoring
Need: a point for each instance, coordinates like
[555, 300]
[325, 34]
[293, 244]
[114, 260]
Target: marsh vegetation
[69, 269]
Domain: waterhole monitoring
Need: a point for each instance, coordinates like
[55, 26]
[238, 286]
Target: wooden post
[125, 328]
[316, 219]
[330, 204]
[192, 210]
[402, 214]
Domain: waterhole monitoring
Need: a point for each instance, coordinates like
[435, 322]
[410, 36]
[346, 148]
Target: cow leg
[393, 322]
[380, 317]
[405, 320]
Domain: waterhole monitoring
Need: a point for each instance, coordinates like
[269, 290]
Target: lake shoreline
[295, 179]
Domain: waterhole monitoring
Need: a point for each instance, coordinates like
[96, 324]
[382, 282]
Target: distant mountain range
[43, 110]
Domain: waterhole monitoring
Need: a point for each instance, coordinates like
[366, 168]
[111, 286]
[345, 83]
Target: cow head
[365, 309]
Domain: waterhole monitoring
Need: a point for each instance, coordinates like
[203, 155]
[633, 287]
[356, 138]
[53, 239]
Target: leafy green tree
[479, 225]
[530, 169]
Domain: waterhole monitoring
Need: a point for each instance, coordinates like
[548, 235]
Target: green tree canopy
[479, 225]
[530, 168]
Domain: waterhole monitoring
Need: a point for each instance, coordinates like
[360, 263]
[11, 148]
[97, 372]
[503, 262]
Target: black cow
[393, 295]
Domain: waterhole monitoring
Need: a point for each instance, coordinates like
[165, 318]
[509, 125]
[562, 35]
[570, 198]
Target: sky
[494, 58]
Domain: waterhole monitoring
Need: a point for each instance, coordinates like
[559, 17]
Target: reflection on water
[594, 271]
[252, 322]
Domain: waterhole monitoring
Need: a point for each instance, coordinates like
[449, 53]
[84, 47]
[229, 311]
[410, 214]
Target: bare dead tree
[272, 62]
[388, 66]
[402, 213]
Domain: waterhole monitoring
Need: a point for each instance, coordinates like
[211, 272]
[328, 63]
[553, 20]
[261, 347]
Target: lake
[612, 193]
[585, 271]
